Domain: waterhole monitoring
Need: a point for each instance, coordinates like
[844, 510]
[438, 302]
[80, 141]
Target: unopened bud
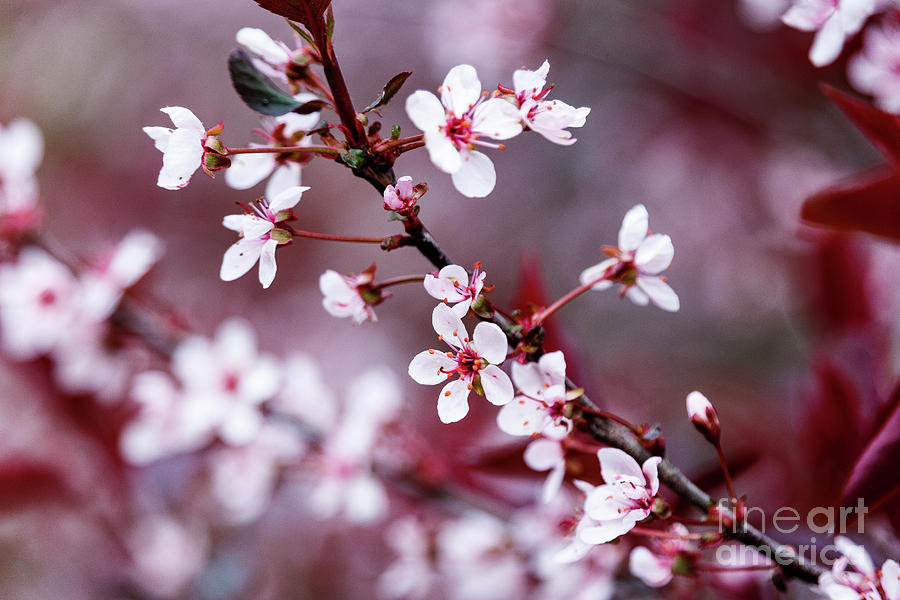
[704, 417]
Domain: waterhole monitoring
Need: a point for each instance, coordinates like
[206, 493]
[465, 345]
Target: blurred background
[707, 112]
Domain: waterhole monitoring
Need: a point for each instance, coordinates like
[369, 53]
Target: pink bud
[703, 416]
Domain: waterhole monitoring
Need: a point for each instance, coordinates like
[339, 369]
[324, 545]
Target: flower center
[47, 298]
[459, 130]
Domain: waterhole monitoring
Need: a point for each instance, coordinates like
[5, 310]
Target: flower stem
[335, 238]
[542, 316]
[389, 143]
[399, 280]
[726, 472]
[412, 146]
[322, 150]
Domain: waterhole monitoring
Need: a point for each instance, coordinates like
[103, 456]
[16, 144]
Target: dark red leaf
[24, 482]
[307, 12]
[874, 476]
[868, 203]
[881, 128]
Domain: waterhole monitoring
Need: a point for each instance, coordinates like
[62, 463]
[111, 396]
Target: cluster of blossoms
[865, 583]
[455, 124]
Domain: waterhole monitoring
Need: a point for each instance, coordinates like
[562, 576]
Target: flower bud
[704, 417]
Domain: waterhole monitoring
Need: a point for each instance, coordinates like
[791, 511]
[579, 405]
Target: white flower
[834, 20]
[550, 118]
[539, 407]
[37, 304]
[257, 242]
[453, 285]
[547, 455]
[166, 553]
[470, 358]
[625, 498]
[637, 263]
[183, 148]
[454, 125]
[863, 583]
[343, 296]
[225, 381]
[305, 395]
[411, 575]
[273, 56]
[874, 70]
[21, 151]
[247, 170]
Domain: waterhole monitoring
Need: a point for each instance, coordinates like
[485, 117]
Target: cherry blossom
[474, 360]
[260, 235]
[403, 196]
[547, 455]
[37, 304]
[637, 263]
[225, 380]
[625, 498]
[306, 396]
[21, 151]
[455, 124]
[166, 553]
[655, 567]
[863, 583]
[833, 20]
[453, 285]
[247, 170]
[411, 575]
[183, 148]
[350, 296]
[271, 57]
[539, 409]
[550, 118]
[874, 70]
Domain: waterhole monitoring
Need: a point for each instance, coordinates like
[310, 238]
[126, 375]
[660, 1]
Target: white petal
[596, 272]
[287, 198]
[443, 152]
[655, 254]
[659, 292]
[240, 258]
[184, 119]
[828, 42]
[461, 89]
[605, 532]
[808, 15]
[634, 228]
[425, 111]
[646, 566]
[476, 177]
[267, 266]
[453, 401]
[247, 170]
[531, 81]
[283, 177]
[890, 579]
[615, 463]
[853, 14]
[529, 379]
[448, 325]
[637, 295]
[856, 554]
[498, 119]
[543, 455]
[241, 426]
[258, 41]
[160, 137]
[22, 147]
[429, 367]
[182, 157]
[366, 499]
[490, 342]
[522, 416]
[553, 482]
[497, 387]
[650, 468]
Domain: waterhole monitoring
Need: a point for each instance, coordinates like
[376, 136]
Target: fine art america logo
[829, 521]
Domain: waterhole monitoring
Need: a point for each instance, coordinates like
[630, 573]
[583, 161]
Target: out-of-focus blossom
[863, 583]
[305, 396]
[412, 573]
[247, 170]
[346, 484]
[475, 557]
[655, 567]
[550, 118]
[21, 151]
[455, 124]
[225, 381]
[260, 235]
[874, 70]
[547, 455]
[833, 20]
[166, 554]
[183, 148]
[37, 304]
[474, 360]
[637, 263]
[453, 285]
[762, 14]
[625, 498]
[243, 478]
[540, 406]
[350, 296]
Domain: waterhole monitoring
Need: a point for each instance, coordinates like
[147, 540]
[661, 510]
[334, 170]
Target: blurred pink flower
[547, 455]
[833, 20]
[343, 297]
[166, 553]
[21, 152]
[473, 358]
[874, 70]
[637, 263]
[655, 567]
[840, 584]
[454, 124]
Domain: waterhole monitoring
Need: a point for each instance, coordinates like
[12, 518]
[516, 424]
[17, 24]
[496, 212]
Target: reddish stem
[726, 472]
[335, 238]
[322, 150]
[399, 280]
[542, 316]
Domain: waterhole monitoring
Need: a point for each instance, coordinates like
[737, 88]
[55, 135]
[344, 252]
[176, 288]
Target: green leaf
[258, 91]
[307, 12]
[390, 88]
